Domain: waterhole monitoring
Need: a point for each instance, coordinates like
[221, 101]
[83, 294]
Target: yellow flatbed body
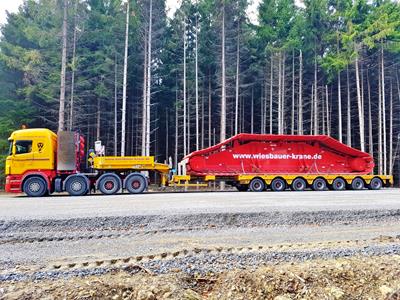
[136, 163]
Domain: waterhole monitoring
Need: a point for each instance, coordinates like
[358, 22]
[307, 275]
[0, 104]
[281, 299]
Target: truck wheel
[299, 184]
[76, 185]
[135, 184]
[109, 184]
[242, 187]
[375, 184]
[319, 184]
[278, 185]
[35, 186]
[339, 184]
[257, 185]
[357, 184]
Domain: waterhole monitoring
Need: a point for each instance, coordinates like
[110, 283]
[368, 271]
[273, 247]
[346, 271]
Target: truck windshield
[10, 147]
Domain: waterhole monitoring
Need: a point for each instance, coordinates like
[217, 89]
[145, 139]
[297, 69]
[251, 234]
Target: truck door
[23, 157]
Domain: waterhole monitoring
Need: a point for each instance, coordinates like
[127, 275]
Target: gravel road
[38, 234]
[64, 207]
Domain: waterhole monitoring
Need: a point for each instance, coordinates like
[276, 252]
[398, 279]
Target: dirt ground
[345, 278]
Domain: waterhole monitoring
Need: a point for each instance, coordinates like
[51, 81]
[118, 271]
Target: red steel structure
[278, 154]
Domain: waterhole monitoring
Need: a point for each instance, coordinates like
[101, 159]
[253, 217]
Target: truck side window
[23, 147]
[10, 148]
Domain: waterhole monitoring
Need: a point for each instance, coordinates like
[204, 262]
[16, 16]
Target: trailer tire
[357, 184]
[35, 186]
[242, 187]
[135, 183]
[338, 184]
[257, 185]
[299, 184]
[109, 184]
[319, 184]
[278, 185]
[76, 185]
[375, 184]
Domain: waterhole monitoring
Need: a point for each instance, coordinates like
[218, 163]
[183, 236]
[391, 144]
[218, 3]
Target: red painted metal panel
[279, 154]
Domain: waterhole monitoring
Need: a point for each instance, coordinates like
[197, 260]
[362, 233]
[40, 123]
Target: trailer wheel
[242, 187]
[319, 184]
[257, 185]
[109, 184]
[299, 184]
[35, 186]
[339, 184]
[357, 184]
[76, 185]
[375, 184]
[278, 185]
[135, 183]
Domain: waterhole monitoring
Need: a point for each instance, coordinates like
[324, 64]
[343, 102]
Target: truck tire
[76, 185]
[357, 184]
[242, 187]
[375, 184]
[135, 183]
[109, 184]
[35, 186]
[319, 184]
[257, 185]
[278, 185]
[338, 184]
[299, 184]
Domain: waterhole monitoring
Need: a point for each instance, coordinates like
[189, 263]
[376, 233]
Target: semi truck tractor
[41, 162]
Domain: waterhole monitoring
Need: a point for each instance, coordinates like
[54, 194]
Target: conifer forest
[146, 83]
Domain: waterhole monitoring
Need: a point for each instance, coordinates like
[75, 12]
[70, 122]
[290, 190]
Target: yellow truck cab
[41, 162]
[31, 152]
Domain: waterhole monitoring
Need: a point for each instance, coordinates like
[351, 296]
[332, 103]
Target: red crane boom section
[278, 154]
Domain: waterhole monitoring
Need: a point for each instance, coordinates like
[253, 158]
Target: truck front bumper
[13, 184]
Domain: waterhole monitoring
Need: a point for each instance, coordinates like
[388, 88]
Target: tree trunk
[340, 125]
[270, 95]
[328, 119]
[184, 92]
[166, 135]
[252, 111]
[202, 120]
[380, 146]
[312, 110]
[176, 129]
[144, 104]
[316, 122]
[283, 94]
[383, 112]
[115, 105]
[279, 92]
[391, 160]
[300, 105]
[360, 106]
[61, 116]
[148, 102]
[237, 79]
[209, 110]
[223, 87]
[71, 107]
[370, 136]
[293, 94]
[98, 120]
[123, 120]
[348, 110]
[197, 88]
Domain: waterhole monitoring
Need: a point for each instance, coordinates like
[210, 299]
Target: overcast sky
[12, 6]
